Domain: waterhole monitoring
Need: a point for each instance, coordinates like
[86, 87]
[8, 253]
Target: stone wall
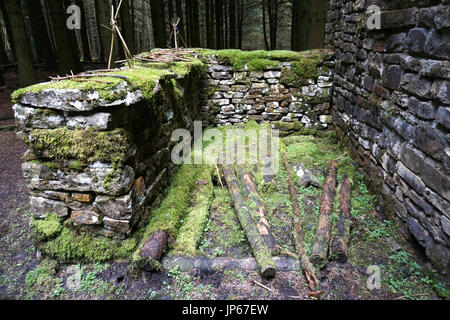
[71, 131]
[267, 96]
[100, 149]
[391, 103]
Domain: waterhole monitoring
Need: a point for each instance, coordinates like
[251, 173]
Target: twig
[341, 156]
[218, 174]
[264, 287]
[88, 76]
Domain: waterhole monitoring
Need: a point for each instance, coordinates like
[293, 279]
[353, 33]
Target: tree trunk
[240, 22]
[300, 25]
[9, 32]
[195, 24]
[159, 23]
[266, 42]
[3, 55]
[316, 30]
[259, 247]
[104, 20]
[298, 231]
[127, 26]
[181, 28]
[219, 23]
[68, 61]
[341, 233]
[27, 71]
[252, 196]
[232, 13]
[40, 35]
[189, 25]
[84, 32]
[319, 250]
[209, 24]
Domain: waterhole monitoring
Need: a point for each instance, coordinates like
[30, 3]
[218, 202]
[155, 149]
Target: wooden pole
[319, 250]
[298, 231]
[260, 250]
[252, 195]
[341, 234]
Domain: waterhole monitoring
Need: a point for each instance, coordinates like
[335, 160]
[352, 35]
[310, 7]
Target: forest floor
[25, 274]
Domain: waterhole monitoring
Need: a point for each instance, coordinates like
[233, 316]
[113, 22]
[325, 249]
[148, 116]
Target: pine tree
[159, 23]
[27, 71]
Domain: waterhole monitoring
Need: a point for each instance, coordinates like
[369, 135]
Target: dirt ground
[25, 274]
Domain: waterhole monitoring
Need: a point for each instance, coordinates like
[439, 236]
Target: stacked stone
[98, 197]
[391, 102]
[241, 96]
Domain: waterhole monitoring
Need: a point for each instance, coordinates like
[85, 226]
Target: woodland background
[34, 36]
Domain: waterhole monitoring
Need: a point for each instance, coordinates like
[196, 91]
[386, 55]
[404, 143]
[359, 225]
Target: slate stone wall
[391, 103]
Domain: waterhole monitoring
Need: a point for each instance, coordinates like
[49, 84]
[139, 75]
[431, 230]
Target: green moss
[48, 228]
[303, 62]
[261, 64]
[70, 246]
[86, 146]
[196, 217]
[142, 76]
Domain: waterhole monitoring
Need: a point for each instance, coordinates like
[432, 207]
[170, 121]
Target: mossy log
[154, 248]
[319, 250]
[260, 249]
[256, 205]
[298, 232]
[196, 216]
[341, 232]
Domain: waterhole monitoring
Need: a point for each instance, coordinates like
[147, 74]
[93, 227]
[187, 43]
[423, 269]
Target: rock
[272, 74]
[78, 100]
[416, 85]
[442, 17]
[416, 39]
[397, 18]
[34, 118]
[99, 121]
[118, 226]
[440, 256]
[438, 44]
[441, 91]
[91, 179]
[85, 217]
[424, 110]
[82, 197]
[326, 119]
[42, 206]
[392, 76]
[422, 236]
[430, 141]
[396, 42]
[436, 178]
[443, 117]
[411, 179]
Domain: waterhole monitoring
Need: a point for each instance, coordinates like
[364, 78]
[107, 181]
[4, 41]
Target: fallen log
[298, 234]
[260, 249]
[154, 249]
[341, 232]
[319, 249]
[252, 195]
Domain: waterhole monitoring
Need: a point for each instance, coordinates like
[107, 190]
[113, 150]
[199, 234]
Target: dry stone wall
[265, 96]
[391, 103]
[97, 194]
[100, 155]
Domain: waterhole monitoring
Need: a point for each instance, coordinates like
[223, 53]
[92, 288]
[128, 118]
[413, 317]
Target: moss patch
[86, 146]
[71, 246]
[303, 62]
[48, 228]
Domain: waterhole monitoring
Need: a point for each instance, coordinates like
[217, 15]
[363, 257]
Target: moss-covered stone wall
[100, 146]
